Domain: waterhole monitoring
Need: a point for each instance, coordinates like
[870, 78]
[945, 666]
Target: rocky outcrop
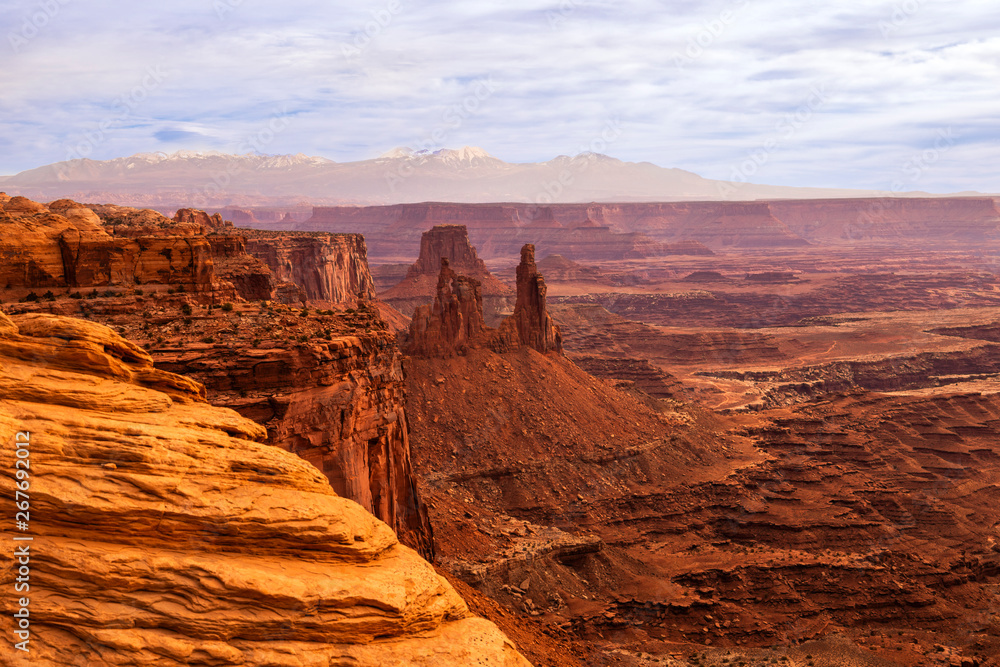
[453, 322]
[169, 534]
[338, 403]
[421, 283]
[196, 217]
[332, 268]
[330, 390]
[69, 246]
[449, 242]
[530, 325]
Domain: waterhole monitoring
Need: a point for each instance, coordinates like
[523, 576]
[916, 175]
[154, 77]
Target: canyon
[633, 231]
[167, 532]
[777, 447]
[326, 384]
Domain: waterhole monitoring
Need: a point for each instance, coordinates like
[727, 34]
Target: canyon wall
[635, 230]
[454, 324]
[497, 230]
[337, 403]
[70, 247]
[337, 400]
[174, 536]
[329, 267]
[421, 282]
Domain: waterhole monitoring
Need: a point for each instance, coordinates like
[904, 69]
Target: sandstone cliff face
[530, 325]
[197, 217]
[168, 534]
[451, 243]
[70, 247]
[454, 323]
[337, 403]
[329, 267]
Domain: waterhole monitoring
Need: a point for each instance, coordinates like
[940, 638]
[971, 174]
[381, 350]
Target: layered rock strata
[531, 325]
[170, 534]
[454, 323]
[328, 387]
[448, 242]
[337, 403]
[332, 268]
[68, 246]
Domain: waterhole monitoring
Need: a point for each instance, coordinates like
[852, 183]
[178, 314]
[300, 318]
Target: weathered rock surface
[336, 401]
[331, 268]
[421, 283]
[70, 247]
[454, 323]
[197, 217]
[530, 325]
[328, 387]
[167, 533]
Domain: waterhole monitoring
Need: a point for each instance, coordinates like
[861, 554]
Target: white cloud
[698, 85]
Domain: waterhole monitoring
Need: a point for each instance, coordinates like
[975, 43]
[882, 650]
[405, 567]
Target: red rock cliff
[329, 267]
[337, 401]
[453, 322]
[168, 534]
[531, 325]
[451, 243]
[69, 247]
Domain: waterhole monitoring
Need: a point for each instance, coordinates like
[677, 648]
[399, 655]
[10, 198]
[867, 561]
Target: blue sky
[875, 95]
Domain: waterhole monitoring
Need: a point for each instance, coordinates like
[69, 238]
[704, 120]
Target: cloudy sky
[878, 95]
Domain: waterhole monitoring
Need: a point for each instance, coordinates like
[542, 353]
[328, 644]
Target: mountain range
[468, 174]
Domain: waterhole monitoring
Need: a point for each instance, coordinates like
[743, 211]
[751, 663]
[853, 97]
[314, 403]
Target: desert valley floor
[710, 453]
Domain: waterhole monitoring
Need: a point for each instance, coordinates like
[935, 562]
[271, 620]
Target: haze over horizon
[891, 96]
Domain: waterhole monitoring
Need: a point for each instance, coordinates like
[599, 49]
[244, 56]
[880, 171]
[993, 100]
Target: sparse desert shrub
[228, 306]
[208, 339]
[109, 293]
[186, 308]
[30, 297]
[76, 295]
[49, 296]
[139, 292]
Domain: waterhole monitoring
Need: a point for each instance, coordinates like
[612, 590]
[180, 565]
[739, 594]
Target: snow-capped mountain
[402, 175]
